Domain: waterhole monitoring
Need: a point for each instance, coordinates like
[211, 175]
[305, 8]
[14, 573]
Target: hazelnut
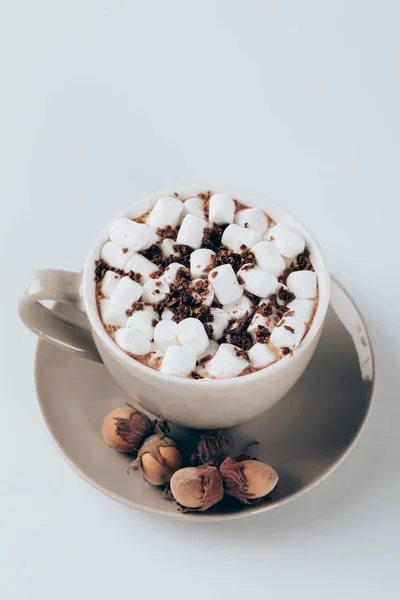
[158, 459]
[248, 480]
[197, 488]
[212, 449]
[124, 429]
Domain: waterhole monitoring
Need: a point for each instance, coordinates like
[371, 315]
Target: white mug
[203, 403]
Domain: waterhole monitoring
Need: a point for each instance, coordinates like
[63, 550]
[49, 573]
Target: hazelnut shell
[248, 480]
[125, 429]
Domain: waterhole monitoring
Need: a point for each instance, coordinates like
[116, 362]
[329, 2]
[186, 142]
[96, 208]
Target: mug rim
[241, 195]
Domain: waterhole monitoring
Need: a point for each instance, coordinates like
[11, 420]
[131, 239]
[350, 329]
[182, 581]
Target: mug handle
[60, 286]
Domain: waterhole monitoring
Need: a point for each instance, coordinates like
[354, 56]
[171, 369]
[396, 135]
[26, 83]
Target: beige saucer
[305, 436]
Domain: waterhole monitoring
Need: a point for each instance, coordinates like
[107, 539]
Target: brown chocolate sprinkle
[289, 328]
[185, 252]
[125, 250]
[155, 255]
[176, 194]
[212, 237]
[156, 274]
[262, 334]
[238, 335]
[167, 232]
[135, 307]
[134, 276]
[158, 284]
[240, 279]
[302, 263]
[196, 375]
[214, 274]
[205, 359]
[242, 354]
[102, 268]
[285, 350]
[286, 296]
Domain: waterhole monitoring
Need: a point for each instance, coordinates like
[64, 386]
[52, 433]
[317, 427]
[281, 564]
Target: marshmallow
[288, 332]
[133, 341]
[111, 315]
[153, 238]
[167, 314]
[225, 284]
[154, 291]
[165, 334]
[302, 308]
[200, 262]
[252, 218]
[258, 321]
[194, 206]
[303, 284]
[237, 310]
[109, 283]
[141, 265]
[226, 362]
[191, 231]
[210, 351]
[235, 237]
[115, 255]
[202, 292]
[126, 293]
[168, 248]
[179, 361]
[170, 273]
[191, 333]
[129, 234]
[260, 355]
[269, 258]
[288, 241]
[257, 281]
[221, 208]
[219, 323]
[143, 320]
[166, 211]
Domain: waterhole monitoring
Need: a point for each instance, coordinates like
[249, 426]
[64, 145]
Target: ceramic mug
[201, 404]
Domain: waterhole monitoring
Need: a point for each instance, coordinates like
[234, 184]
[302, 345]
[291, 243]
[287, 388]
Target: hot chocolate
[205, 287]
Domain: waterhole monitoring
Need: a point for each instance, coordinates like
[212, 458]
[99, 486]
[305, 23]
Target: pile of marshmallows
[182, 345]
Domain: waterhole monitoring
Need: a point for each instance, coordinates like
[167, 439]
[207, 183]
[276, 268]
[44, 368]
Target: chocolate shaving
[289, 328]
[102, 268]
[167, 232]
[286, 350]
[155, 255]
[238, 335]
[262, 334]
[212, 237]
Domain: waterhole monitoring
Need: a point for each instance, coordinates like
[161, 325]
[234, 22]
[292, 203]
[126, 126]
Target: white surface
[99, 103]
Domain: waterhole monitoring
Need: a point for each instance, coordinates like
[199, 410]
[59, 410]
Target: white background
[102, 102]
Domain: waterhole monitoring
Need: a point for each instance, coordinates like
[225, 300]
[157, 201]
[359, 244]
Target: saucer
[304, 437]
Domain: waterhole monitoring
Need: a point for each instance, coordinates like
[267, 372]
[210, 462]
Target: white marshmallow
[153, 238]
[167, 314]
[225, 284]
[142, 265]
[143, 320]
[236, 236]
[204, 298]
[165, 334]
[220, 322]
[303, 284]
[288, 333]
[257, 321]
[170, 272]
[288, 241]
[221, 208]
[257, 281]
[115, 255]
[168, 248]
[133, 341]
[302, 308]
[109, 283]
[191, 231]
[200, 262]
[210, 351]
[130, 234]
[252, 218]
[269, 258]
[111, 315]
[126, 293]
[179, 361]
[237, 310]
[153, 292]
[166, 211]
[194, 206]
[226, 363]
[260, 355]
[191, 333]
